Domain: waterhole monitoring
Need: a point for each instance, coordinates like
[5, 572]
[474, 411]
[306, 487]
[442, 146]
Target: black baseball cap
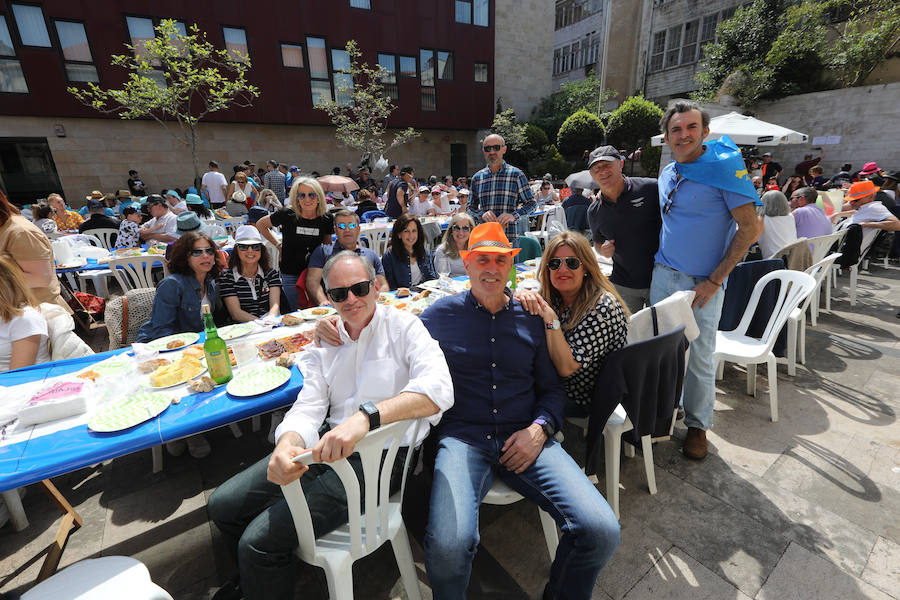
[156, 199]
[128, 210]
[607, 153]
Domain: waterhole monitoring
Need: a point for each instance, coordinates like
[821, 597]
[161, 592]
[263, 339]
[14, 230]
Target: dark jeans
[254, 517]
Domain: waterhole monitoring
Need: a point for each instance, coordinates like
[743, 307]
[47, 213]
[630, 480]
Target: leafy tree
[362, 108]
[633, 124]
[650, 156]
[535, 137]
[582, 131]
[553, 163]
[175, 79]
[507, 126]
[571, 97]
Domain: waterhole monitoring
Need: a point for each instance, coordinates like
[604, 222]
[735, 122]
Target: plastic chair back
[366, 531]
[106, 577]
[107, 236]
[134, 271]
[821, 245]
[215, 231]
[371, 215]
[793, 289]
[531, 248]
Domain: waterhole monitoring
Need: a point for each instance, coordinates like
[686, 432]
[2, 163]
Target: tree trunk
[194, 157]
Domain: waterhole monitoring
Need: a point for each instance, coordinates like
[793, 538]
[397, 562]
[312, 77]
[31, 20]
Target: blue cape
[721, 166]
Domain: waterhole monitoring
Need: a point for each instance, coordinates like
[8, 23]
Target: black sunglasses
[359, 290]
[461, 228]
[493, 148]
[254, 247]
[303, 195]
[572, 263]
[195, 252]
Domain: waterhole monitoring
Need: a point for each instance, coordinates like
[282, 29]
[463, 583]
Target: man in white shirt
[387, 368]
[164, 224]
[214, 185]
[422, 206]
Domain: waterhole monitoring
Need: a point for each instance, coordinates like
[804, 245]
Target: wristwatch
[554, 324]
[371, 411]
[545, 426]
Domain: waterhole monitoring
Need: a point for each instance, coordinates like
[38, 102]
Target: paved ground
[804, 508]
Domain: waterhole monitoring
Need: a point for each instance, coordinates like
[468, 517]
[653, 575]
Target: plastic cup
[244, 353]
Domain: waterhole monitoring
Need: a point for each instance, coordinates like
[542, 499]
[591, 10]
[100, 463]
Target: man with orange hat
[866, 212]
[508, 403]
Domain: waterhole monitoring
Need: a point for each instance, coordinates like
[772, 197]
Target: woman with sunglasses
[585, 317]
[406, 262]
[189, 284]
[305, 225]
[546, 194]
[456, 238]
[249, 287]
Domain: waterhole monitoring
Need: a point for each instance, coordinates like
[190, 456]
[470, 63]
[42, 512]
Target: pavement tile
[677, 575]
[883, 570]
[639, 550]
[800, 575]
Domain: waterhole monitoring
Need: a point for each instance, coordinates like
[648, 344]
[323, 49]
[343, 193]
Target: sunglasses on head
[346, 225]
[304, 195]
[254, 247]
[572, 263]
[493, 148]
[359, 290]
[195, 252]
[461, 228]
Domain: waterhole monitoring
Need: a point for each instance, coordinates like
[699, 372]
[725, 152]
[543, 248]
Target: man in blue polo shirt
[346, 228]
[706, 230]
[625, 225]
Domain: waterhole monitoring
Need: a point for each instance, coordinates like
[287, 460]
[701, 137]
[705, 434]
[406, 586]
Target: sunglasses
[461, 228]
[246, 247]
[359, 290]
[304, 195]
[435, 193]
[493, 148]
[195, 252]
[347, 225]
[572, 263]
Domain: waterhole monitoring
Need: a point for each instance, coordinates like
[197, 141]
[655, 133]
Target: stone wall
[97, 153]
[523, 53]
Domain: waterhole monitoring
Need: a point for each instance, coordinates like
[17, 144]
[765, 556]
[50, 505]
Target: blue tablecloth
[47, 456]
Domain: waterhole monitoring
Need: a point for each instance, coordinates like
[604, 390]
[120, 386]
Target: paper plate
[230, 332]
[129, 411]
[310, 316]
[160, 344]
[184, 380]
[111, 367]
[258, 381]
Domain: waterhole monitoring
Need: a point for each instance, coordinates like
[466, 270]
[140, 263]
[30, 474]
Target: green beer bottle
[216, 351]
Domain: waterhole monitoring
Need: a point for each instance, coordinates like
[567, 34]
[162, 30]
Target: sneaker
[176, 448]
[695, 443]
[198, 447]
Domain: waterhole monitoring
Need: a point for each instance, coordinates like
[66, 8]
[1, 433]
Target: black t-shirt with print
[299, 238]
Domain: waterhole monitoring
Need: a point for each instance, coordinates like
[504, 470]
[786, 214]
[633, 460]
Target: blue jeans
[464, 474]
[289, 287]
[699, 394]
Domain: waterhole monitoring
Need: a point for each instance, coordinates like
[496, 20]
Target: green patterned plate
[129, 411]
[230, 332]
[160, 344]
[309, 315]
[111, 367]
[258, 381]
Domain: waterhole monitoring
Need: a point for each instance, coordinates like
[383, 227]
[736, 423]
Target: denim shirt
[397, 269]
[176, 307]
[503, 378]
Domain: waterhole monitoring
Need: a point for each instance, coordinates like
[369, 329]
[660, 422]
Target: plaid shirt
[501, 192]
[274, 180]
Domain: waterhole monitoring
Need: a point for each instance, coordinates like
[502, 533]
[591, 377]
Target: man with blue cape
[709, 220]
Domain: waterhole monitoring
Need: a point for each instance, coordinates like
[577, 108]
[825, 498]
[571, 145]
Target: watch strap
[371, 411]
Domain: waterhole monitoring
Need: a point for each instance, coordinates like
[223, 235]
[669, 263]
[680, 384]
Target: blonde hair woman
[447, 258]
[23, 331]
[586, 318]
[305, 225]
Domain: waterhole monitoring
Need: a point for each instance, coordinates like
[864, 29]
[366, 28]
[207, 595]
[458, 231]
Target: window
[585, 57]
[342, 79]
[141, 31]
[428, 94]
[31, 24]
[361, 4]
[429, 99]
[481, 72]
[565, 58]
[557, 54]
[76, 51]
[292, 56]
[408, 66]
[445, 65]
[6, 46]
[595, 49]
[659, 47]
[389, 81]
[320, 84]
[236, 43]
[576, 55]
[689, 48]
[727, 14]
[473, 12]
[708, 32]
[12, 79]
[673, 46]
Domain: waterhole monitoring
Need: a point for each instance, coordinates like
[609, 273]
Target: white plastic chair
[336, 552]
[105, 235]
[501, 494]
[100, 579]
[868, 240]
[376, 240]
[215, 231]
[737, 347]
[554, 219]
[134, 271]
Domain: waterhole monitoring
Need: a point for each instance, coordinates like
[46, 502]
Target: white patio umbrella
[747, 131]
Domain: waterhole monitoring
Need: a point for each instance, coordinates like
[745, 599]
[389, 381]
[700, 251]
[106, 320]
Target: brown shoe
[695, 443]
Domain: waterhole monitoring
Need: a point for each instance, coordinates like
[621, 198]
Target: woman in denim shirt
[406, 262]
[190, 283]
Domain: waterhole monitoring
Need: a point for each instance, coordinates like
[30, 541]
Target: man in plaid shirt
[498, 189]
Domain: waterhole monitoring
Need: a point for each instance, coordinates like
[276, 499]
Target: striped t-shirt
[254, 299]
